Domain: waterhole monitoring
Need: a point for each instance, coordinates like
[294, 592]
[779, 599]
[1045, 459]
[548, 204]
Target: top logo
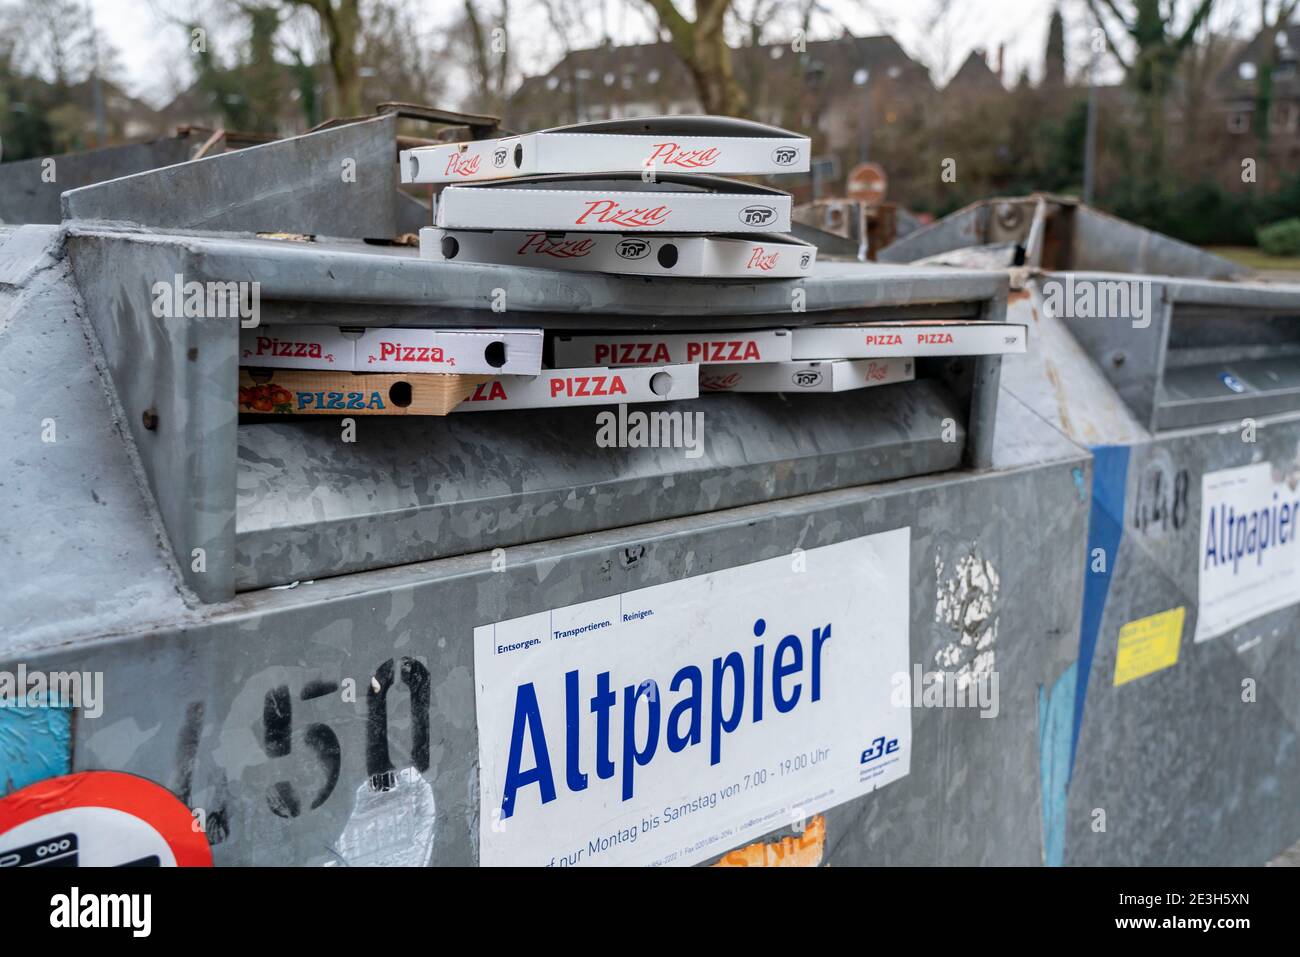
[757, 215]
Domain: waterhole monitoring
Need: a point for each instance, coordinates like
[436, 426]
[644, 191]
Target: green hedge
[1281, 239]
[1205, 214]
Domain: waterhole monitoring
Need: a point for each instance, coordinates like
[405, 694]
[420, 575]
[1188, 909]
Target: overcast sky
[154, 59]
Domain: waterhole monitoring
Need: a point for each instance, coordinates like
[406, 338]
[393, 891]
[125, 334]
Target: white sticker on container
[1249, 559]
[672, 723]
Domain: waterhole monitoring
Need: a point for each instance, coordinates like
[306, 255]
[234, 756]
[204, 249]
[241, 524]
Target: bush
[1281, 239]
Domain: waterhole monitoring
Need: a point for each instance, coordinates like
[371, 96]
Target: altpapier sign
[670, 724]
[1249, 559]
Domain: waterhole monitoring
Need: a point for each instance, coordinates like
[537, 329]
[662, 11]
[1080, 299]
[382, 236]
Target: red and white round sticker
[99, 819]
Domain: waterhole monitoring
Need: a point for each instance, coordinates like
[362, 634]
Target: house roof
[1236, 78]
[656, 69]
[974, 74]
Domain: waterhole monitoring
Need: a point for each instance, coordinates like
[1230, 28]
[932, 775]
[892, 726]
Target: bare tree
[1201, 66]
[341, 22]
[489, 38]
[702, 46]
[1158, 46]
[400, 60]
[58, 39]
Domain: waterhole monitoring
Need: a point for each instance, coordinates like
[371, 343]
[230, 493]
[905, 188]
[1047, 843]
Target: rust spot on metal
[1062, 399]
[1016, 295]
[797, 850]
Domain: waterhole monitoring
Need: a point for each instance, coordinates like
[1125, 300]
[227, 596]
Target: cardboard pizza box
[615, 203]
[587, 386]
[355, 349]
[838, 375]
[309, 392]
[766, 345]
[939, 337]
[693, 257]
[687, 144]
[298, 347]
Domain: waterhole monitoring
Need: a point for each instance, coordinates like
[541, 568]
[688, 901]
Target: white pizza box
[353, 349]
[297, 347]
[615, 203]
[937, 337]
[695, 257]
[668, 144]
[768, 345]
[502, 351]
[593, 386]
[836, 375]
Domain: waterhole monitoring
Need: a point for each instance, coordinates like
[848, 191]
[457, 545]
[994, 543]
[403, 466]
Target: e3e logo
[878, 748]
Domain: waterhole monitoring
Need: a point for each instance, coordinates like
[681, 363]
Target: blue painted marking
[1105, 530]
[35, 744]
[1060, 712]
[1079, 487]
[1055, 726]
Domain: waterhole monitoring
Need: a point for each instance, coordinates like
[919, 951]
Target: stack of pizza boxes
[640, 197]
[647, 197]
[325, 370]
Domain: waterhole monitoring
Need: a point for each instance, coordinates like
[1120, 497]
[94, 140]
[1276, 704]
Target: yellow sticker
[1149, 645]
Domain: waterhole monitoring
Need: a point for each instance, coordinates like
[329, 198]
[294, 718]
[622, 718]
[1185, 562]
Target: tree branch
[1114, 50]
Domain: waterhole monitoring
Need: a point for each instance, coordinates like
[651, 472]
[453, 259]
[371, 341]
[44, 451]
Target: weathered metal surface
[1197, 353]
[26, 249]
[966, 227]
[1104, 243]
[1175, 767]
[80, 553]
[1056, 233]
[405, 491]
[175, 379]
[351, 276]
[182, 413]
[187, 706]
[187, 687]
[997, 256]
[30, 189]
[1186, 769]
[1056, 378]
[340, 182]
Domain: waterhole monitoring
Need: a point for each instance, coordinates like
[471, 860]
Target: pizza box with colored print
[683, 144]
[694, 257]
[615, 203]
[309, 392]
[838, 375]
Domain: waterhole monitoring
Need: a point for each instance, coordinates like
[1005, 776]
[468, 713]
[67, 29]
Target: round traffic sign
[867, 183]
[99, 819]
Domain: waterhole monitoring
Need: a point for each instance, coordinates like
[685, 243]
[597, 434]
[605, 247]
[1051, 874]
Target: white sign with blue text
[670, 724]
[1249, 561]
